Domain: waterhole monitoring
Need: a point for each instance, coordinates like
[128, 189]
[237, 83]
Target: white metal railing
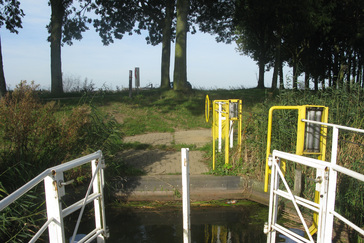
[325, 185]
[54, 186]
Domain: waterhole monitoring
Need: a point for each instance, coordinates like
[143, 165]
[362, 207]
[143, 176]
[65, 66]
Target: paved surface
[163, 172]
[164, 162]
[197, 137]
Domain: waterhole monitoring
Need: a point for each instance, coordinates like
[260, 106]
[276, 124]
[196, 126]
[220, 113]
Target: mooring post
[130, 83]
[297, 182]
[186, 195]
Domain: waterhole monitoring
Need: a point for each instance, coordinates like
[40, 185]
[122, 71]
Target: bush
[35, 136]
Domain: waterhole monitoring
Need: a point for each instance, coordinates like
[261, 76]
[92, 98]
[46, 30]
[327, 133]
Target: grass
[161, 111]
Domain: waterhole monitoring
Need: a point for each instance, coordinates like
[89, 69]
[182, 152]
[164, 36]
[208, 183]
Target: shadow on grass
[166, 101]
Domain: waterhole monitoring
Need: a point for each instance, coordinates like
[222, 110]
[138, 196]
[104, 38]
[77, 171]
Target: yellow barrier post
[305, 143]
[224, 114]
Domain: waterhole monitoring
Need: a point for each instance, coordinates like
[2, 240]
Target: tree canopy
[68, 22]
[323, 39]
[11, 17]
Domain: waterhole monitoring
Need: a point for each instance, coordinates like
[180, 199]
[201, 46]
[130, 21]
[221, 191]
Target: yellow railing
[310, 140]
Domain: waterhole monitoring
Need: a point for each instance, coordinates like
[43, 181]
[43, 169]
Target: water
[208, 224]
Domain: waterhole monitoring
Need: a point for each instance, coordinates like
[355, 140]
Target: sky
[26, 56]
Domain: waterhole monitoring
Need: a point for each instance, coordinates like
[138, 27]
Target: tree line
[322, 39]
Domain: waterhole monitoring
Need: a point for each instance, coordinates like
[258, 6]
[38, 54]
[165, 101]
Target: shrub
[35, 136]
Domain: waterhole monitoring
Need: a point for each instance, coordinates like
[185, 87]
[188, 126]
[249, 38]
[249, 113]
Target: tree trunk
[2, 76]
[307, 81]
[261, 75]
[316, 81]
[295, 74]
[277, 63]
[323, 83]
[275, 77]
[180, 61]
[354, 68]
[281, 82]
[296, 67]
[358, 73]
[335, 71]
[349, 83]
[56, 35]
[166, 46]
[330, 76]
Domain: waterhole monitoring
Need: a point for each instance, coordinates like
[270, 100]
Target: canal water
[208, 224]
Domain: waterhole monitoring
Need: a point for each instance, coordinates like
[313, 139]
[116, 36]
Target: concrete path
[197, 137]
[163, 172]
[164, 162]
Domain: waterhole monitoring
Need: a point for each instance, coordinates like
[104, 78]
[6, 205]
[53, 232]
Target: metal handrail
[323, 164]
[84, 202]
[41, 230]
[292, 198]
[24, 189]
[334, 125]
[67, 211]
[326, 209]
[35, 181]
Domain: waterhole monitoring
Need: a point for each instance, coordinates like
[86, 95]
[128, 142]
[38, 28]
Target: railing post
[186, 195]
[331, 194]
[98, 185]
[220, 127]
[54, 207]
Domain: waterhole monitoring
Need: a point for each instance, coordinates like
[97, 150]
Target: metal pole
[220, 128]
[99, 208]
[130, 83]
[231, 134]
[186, 195]
[331, 194]
[54, 207]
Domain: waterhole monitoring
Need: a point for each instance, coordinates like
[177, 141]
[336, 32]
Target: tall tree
[115, 18]
[216, 18]
[180, 61]
[157, 16]
[166, 45]
[10, 16]
[255, 25]
[67, 23]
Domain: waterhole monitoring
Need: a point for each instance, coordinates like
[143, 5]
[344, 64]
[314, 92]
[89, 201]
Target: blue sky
[26, 56]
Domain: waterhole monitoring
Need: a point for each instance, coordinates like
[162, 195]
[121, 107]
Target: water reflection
[208, 224]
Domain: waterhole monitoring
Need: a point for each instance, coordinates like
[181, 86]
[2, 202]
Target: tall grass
[345, 108]
[35, 136]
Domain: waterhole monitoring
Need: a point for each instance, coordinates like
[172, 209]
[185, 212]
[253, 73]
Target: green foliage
[345, 108]
[21, 219]
[35, 136]
[156, 111]
[11, 15]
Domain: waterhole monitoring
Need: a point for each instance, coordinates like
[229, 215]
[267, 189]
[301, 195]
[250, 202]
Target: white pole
[231, 134]
[54, 207]
[220, 127]
[99, 209]
[331, 194]
[186, 195]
